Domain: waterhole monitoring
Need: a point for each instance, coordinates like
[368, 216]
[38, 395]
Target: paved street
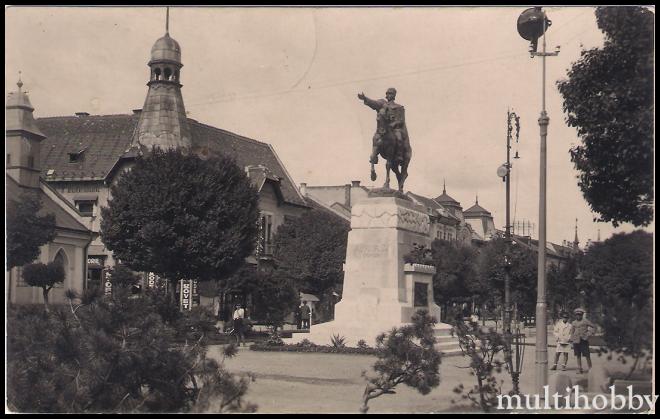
[327, 383]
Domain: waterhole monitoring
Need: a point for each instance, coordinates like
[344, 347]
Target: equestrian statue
[391, 138]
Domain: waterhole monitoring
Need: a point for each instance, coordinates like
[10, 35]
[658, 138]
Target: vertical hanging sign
[186, 294]
[151, 280]
[195, 292]
[107, 284]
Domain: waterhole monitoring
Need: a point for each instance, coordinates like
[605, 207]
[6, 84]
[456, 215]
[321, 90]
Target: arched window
[157, 73]
[168, 73]
[63, 260]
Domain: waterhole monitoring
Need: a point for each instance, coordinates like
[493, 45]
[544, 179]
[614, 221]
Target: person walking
[305, 311]
[238, 319]
[582, 329]
[563, 332]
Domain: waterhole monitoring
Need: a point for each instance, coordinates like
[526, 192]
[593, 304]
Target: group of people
[573, 335]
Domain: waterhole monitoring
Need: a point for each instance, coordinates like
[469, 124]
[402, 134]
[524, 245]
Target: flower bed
[312, 348]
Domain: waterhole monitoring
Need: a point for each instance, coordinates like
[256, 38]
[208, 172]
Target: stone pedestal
[380, 291]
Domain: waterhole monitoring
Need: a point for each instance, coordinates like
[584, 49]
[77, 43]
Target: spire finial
[444, 186]
[20, 82]
[576, 241]
[476, 200]
[167, 21]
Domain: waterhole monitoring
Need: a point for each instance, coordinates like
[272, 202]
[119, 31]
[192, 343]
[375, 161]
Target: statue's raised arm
[373, 104]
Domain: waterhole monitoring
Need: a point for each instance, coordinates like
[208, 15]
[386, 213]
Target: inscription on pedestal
[370, 250]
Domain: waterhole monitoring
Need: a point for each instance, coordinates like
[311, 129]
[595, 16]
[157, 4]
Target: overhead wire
[322, 85]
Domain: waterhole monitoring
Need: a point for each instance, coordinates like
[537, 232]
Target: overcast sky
[290, 76]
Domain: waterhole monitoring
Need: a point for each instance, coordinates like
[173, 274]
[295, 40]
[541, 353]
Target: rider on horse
[390, 125]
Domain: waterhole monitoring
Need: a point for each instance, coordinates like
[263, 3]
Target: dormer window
[77, 156]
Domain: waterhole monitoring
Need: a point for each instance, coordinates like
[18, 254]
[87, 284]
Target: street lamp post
[532, 24]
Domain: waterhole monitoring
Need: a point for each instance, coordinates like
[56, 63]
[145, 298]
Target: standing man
[582, 329]
[239, 327]
[563, 331]
[305, 312]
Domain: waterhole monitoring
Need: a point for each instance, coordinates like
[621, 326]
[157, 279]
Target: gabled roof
[447, 200]
[433, 204]
[48, 206]
[105, 138]
[246, 152]
[476, 209]
[318, 205]
[552, 249]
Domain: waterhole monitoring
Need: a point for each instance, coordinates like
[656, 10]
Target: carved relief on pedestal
[390, 215]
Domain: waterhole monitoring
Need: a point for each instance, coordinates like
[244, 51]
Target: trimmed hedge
[312, 348]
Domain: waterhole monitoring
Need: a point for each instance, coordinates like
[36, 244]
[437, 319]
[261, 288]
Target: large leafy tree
[456, 273]
[26, 230]
[311, 250]
[522, 271]
[620, 271]
[608, 97]
[182, 217]
[567, 287]
[273, 296]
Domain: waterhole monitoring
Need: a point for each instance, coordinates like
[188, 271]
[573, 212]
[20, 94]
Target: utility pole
[510, 119]
[532, 24]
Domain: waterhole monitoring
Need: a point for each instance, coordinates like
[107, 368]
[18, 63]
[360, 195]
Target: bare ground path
[332, 383]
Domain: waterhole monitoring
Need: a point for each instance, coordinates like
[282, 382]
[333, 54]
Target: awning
[308, 297]
[86, 197]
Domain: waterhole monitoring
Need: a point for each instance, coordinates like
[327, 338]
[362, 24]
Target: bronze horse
[397, 158]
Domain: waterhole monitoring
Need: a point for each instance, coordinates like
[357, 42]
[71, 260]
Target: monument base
[380, 291]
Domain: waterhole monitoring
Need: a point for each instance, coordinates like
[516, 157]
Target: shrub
[338, 341]
[362, 344]
[405, 355]
[114, 354]
[481, 346]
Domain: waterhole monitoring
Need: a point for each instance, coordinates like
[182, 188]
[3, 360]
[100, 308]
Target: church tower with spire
[163, 122]
[23, 139]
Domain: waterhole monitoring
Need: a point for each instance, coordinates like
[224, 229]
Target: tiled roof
[62, 218]
[432, 203]
[320, 206]
[476, 209]
[447, 200]
[105, 138]
[246, 152]
[552, 249]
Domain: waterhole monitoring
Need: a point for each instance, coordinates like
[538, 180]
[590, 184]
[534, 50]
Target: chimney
[81, 114]
[355, 183]
[303, 189]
